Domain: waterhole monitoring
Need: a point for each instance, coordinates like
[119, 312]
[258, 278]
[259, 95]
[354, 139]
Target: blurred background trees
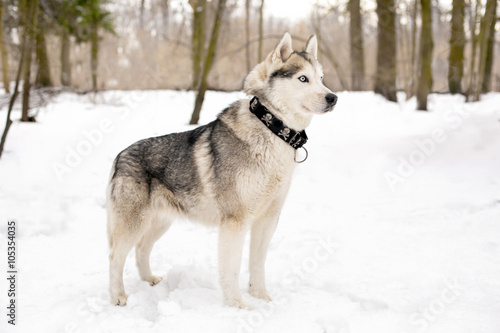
[389, 46]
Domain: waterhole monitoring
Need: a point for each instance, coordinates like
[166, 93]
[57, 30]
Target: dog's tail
[110, 203]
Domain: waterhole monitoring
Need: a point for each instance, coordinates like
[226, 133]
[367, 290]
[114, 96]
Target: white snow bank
[392, 225]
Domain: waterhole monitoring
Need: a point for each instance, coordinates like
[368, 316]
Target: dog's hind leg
[144, 247]
[231, 240]
[121, 246]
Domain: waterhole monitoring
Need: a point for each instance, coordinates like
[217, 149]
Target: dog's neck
[297, 121]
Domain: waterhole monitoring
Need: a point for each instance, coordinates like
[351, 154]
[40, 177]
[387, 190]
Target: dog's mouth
[326, 109]
[329, 108]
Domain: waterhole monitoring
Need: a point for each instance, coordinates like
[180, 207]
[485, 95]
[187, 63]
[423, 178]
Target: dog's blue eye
[303, 78]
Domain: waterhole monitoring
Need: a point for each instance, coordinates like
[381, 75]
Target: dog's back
[200, 174]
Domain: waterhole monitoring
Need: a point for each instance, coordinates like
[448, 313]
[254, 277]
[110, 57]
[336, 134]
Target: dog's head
[291, 80]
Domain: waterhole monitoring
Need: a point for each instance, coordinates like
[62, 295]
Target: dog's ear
[312, 46]
[283, 50]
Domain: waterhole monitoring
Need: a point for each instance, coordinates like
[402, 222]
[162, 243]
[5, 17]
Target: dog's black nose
[331, 99]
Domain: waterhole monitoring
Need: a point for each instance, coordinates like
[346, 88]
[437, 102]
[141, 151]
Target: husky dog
[233, 173]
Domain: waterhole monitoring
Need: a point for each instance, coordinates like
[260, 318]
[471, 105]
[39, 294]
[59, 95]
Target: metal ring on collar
[305, 158]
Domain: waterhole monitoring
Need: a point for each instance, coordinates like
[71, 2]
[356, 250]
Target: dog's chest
[270, 177]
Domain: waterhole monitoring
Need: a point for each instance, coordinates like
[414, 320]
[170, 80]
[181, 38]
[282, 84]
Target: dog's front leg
[231, 239]
[261, 234]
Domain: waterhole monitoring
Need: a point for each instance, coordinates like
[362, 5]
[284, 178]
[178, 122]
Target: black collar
[292, 137]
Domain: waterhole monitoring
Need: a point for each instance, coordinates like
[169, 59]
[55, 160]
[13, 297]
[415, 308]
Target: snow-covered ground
[392, 225]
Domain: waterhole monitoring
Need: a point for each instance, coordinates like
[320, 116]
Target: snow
[392, 224]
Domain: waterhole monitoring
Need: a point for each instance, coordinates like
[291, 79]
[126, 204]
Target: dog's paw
[239, 304]
[154, 280]
[260, 293]
[120, 300]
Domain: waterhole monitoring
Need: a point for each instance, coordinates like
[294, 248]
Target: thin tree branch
[16, 88]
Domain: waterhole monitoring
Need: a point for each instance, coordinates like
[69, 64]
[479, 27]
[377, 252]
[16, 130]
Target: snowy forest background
[416, 46]
[391, 225]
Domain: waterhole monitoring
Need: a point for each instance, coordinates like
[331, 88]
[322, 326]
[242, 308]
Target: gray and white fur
[232, 173]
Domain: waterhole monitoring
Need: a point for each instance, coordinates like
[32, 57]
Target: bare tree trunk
[141, 16]
[484, 34]
[210, 55]
[165, 7]
[385, 80]
[65, 58]
[43, 78]
[426, 46]
[486, 84]
[357, 50]
[261, 30]
[94, 54]
[198, 38]
[414, 65]
[29, 31]
[8, 122]
[247, 34]
[405, 49]
[5, 56]
[474, 38]
[457, 43]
